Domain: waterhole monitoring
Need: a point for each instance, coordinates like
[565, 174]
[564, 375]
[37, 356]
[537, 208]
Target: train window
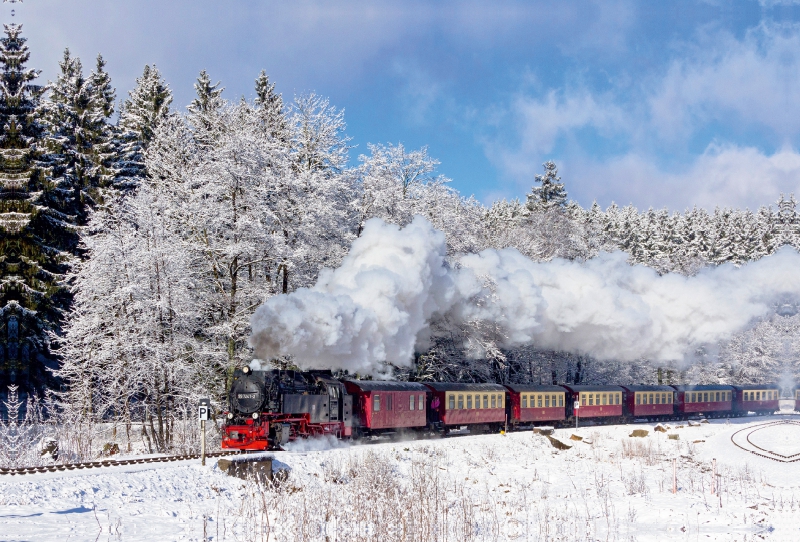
[658, 398]
[494, 401]
[591, 399]
[460, 402]
[500, 400]
[485, 401]
[638, 398]
[560, 399]
[469, 402]
[389, 402]
[547, 401]
[539, 401]
[411, 400]
[524, 401]
[376, 403]
[421, 403]
[617, 398]
[452, 402]
[583, 399]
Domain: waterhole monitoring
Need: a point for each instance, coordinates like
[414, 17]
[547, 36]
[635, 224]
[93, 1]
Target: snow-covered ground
[519, 486]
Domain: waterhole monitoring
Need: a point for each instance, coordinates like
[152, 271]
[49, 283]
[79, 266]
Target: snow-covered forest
[139, 238]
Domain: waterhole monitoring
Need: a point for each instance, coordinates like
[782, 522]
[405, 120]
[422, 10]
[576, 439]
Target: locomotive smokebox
[247, 393]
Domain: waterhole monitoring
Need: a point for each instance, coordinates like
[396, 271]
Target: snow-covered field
[519, 486]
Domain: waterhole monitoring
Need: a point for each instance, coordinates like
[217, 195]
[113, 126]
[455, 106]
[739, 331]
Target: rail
[108, 463]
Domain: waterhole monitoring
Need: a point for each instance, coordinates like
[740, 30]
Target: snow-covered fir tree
[36, 237]
[147, 106]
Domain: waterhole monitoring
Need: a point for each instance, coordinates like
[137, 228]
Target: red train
[270, 408]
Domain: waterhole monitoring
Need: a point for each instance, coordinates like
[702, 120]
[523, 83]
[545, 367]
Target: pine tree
[35, 236]
[205, 108]
[270, 109]
[79, 137]
[145, 109]
[550, 193]
[103, 97]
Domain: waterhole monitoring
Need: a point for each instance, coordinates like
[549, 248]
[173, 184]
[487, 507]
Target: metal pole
[674, 475]
[714, 480]
[203, 442]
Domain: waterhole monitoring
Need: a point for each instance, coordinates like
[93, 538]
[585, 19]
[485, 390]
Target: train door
[334, 399]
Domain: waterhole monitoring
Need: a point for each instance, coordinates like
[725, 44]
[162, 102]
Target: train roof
[518, 388]
[463, 386]
[742, 387]
[644, 387]
[583, 387]
[703, 387]
[386, 385]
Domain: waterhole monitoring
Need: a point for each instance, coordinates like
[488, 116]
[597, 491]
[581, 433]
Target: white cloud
[719, 88]
[753, 81]
[725, 176]
[541, 123]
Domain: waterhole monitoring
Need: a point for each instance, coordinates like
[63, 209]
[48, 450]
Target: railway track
[108, 463]
[172, 458]
[743, 439]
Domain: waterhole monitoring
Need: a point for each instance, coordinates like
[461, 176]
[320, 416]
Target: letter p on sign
[203, 409]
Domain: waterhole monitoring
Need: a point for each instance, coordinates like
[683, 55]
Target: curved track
[109, 463]
[742, 439]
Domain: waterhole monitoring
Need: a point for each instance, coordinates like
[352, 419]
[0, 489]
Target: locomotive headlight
[255, 415]
[230, 415]
[246, 369]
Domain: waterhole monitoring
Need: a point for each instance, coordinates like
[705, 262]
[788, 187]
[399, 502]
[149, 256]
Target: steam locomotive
[268, 409]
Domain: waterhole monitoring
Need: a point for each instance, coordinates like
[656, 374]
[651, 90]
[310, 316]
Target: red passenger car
[382, 406]
[456, 404]
[759, 398]
[532, 404]
[712, 400]
[651, 402]
[603, 402]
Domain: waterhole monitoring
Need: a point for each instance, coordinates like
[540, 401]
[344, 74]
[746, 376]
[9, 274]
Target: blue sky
[654, 103]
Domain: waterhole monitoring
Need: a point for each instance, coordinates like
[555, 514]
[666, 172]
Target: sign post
[577, 407]
[203, 409]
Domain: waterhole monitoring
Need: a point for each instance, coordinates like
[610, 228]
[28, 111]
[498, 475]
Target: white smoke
[367, 312]
[377, 306]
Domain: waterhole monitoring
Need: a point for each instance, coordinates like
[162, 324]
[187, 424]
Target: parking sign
[204, 409]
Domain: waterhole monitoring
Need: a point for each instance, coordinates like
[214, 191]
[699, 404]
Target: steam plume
[378, 305]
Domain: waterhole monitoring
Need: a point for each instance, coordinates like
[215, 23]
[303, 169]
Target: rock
[544, 430]
[704, 421]
[697, 441]
[694, 424]
[558, 444]
[639, 433]
[660, 428]
[50, 449]
[260, 468]
[674, 437]
[109, 449]
[575, 437]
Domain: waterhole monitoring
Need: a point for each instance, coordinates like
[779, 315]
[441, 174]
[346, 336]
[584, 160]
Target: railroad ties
[108, 463]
